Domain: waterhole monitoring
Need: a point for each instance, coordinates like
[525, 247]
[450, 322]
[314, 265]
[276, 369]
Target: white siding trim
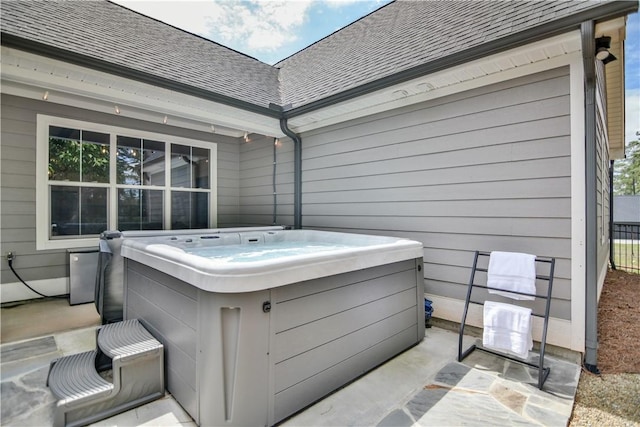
[602, 274]
[578, 230]
[451, 309]
[16, 291]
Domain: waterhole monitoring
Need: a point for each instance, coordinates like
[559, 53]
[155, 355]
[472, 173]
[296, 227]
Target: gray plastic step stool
[138, 376]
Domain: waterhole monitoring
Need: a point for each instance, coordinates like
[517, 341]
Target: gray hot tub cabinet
[255, 358]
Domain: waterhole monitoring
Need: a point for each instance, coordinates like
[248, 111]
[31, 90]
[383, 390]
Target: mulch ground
[613, 398]
[619, 324]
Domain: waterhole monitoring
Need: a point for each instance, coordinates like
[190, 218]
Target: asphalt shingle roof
[109, 32]
[406, 34]
[396, 38]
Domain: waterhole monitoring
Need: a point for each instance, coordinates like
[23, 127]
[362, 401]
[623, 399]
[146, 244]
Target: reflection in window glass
[64, 154]
[129, 167]
[78, 155]
[140, 161]
[200, 174]
[189, 210]
[95, 157]
[93, 210]
[78, 211]
[189, 166]
[153, 162]
[140, 209]
[65, 215]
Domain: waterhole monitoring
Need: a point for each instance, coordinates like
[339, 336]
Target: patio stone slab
[476, 380]
[397, 418]
[509, 397]
[18, 368]
[164, 412]
[368, 400]
[546, 416]
[563, 406]
[485, 362]
[452, 374]
[425, 400]
[461, 407]
[28, 349]
[422, 386]
[23, 397]
[486, 389]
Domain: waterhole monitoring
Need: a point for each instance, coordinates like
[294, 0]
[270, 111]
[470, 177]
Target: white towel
[512, 271]
[507, 328]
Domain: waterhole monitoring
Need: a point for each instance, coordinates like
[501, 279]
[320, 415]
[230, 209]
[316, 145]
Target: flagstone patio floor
[423, 386]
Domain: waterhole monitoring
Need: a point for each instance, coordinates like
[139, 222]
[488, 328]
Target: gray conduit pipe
[275, 193]
[297, 173]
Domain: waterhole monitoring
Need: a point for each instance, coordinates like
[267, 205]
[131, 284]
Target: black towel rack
[543, 372]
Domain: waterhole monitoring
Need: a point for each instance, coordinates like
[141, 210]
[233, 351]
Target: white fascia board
[16, 291]
[451, 309]
[28, 75]
[529, 59]
[578, 203]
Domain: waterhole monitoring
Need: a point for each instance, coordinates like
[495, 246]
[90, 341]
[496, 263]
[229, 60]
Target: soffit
[614, 78]
[30, 75]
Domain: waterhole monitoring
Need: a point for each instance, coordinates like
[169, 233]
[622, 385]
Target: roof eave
[606, 11]
[38, 48]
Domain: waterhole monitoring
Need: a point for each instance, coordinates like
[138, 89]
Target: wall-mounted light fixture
[213, 129]
[165, 120]
[246, 137]
[603, 44]
[117, 109]
[45, 95]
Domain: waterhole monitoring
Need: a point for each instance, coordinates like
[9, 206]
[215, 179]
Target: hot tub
[258, 325]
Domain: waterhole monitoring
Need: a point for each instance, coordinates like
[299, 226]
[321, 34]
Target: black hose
[10, 261]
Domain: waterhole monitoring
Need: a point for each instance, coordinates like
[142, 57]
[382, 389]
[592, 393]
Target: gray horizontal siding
[18, 196]
[488, 169]
[256, 198]
[228, 185]
[18, 186]
[602, 174]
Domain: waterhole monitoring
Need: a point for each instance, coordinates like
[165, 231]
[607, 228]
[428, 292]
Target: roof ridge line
[330, 35]
[190, 33]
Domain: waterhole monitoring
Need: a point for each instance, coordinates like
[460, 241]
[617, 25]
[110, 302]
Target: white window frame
[43, 203]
